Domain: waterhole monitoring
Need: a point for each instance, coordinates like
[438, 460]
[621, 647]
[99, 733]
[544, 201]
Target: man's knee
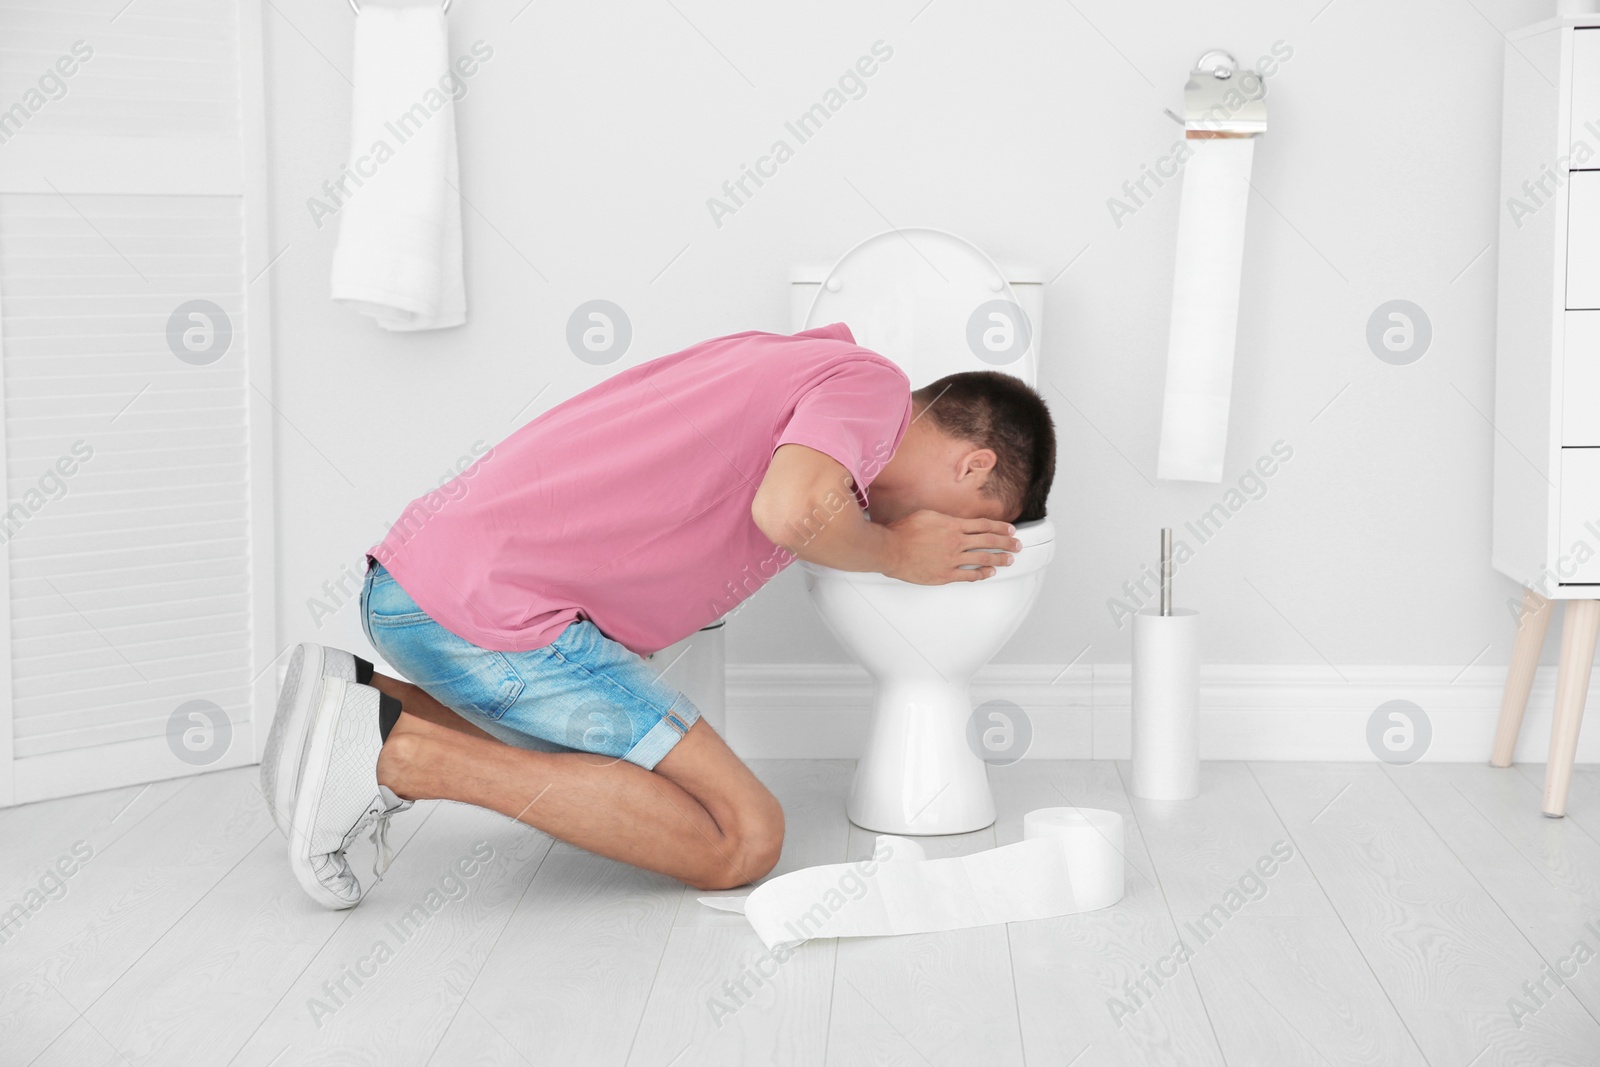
[763, 842]
[751, 849]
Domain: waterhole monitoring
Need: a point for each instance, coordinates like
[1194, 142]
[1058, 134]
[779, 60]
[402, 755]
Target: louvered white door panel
[140, 582]
[157, 69]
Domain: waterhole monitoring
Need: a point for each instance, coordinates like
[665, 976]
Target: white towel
[399, 253]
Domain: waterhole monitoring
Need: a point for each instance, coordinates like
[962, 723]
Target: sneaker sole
[305, 844]
[301, 694]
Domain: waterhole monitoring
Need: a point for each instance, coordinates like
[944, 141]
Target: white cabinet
[1583, 240]
[1547, 373]
[1580, 390]
[1580, 515]
[1585, 93]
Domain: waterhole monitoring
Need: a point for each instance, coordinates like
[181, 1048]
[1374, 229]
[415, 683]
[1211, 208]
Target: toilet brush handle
[1166, 570]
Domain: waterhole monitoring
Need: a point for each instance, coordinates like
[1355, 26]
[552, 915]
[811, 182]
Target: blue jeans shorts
[581, 693]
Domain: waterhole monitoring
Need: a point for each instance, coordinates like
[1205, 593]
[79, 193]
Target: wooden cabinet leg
[1531, 626]
[1578, 633]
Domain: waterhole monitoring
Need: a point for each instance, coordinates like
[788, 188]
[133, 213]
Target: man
[518, 599]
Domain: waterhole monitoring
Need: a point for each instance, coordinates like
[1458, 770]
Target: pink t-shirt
[629, 505]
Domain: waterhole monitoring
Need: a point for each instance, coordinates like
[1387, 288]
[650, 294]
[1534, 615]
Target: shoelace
[380, 841]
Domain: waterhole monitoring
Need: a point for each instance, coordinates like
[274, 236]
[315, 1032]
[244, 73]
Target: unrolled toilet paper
[1069, 860]
[1205, 309]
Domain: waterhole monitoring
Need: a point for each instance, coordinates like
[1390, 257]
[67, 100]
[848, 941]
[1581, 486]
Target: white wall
[593, 138]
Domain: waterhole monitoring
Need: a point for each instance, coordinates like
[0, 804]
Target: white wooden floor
[1414, 905]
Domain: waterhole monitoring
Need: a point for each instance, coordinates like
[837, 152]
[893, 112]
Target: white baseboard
[819, 711]
[1293, 712]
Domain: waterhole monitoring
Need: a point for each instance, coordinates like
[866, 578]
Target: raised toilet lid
[930, 301]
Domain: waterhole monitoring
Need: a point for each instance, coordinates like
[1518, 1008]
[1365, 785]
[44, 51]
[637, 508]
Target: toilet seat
[930, 301]
[1036, 533]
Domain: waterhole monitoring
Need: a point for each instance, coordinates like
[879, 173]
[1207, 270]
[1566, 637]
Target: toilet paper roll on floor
[1069, 860]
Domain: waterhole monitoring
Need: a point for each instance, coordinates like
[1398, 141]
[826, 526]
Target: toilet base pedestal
[918, 774]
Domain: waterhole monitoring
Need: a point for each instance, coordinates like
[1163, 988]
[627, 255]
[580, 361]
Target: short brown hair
[1000, 412]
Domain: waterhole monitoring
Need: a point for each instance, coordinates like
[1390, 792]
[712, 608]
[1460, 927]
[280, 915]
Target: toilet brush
[1166, 695]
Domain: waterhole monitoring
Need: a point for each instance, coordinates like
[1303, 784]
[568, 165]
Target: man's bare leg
[701, 816]
[417, 701]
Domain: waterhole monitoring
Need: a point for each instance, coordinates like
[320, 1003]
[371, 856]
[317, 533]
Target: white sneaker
[339, 795]
[301, 695]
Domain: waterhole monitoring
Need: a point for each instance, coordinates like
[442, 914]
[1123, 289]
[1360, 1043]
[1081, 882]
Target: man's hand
[931, 548]
[805, 504]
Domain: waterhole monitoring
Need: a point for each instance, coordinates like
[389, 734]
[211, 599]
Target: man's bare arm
[805, 504]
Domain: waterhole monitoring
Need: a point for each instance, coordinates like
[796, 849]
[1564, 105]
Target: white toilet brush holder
[1166, 696]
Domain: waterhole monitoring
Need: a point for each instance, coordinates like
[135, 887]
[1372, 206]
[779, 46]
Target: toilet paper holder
[1222, 101]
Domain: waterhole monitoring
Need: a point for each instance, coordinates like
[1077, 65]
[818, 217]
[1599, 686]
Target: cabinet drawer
[1585, 98]
[1580, 508]
[1580, 388]
[1583, 240]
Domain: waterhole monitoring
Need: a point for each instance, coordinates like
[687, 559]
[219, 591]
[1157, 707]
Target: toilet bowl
[921, 772]
[934, 304]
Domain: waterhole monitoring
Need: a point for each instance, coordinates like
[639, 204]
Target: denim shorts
[581, 693]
